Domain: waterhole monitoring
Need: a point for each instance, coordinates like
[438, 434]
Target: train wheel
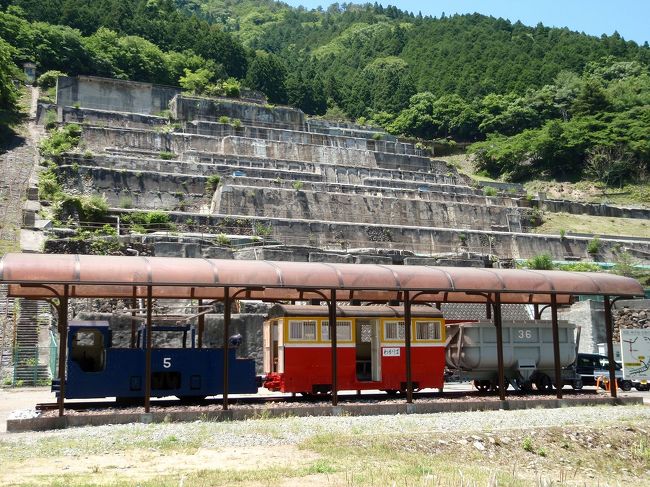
[524, 385]
[391, 392]
[577, 384]
[543, 383]
[482, 386]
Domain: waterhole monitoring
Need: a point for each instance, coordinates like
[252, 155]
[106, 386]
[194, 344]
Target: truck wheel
[642, 387]
[626, 385]
[577, 384]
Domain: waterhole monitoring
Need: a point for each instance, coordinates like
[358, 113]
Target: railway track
[318, 400]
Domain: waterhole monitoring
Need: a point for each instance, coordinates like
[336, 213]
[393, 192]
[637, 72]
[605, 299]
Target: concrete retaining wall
[114, 95]
[330, 206]
[421, 241]
[215, 129]
[235, 414]
[99, 138]
[184, 107]
[143, 190]
[575, 208]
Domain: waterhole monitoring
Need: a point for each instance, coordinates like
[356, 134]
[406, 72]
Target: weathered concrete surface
[100, 138]
[184, 107]
[216, 129]
[235, 414]
[114, 95]
[595, 209]
[364, 208]
[144, 190]
[420, 240]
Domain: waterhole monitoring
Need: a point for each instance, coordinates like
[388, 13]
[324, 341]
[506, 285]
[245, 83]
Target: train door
[368, 361]
[272, 356]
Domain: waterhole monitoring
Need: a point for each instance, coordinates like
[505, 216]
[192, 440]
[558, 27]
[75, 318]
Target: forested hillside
[545, 101]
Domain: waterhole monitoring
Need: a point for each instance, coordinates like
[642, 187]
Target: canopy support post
[227, 312]
[334, 344]
[134, 306]
[556, 347]
[147, 370]
[201, 324]
[63, 346]
[407, 343]
[610, 346]
[499, 330]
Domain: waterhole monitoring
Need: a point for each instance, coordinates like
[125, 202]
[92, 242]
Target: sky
[631, 18]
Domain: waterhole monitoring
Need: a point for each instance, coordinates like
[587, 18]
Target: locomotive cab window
[88, 350]
[302, 330]
[428, 330]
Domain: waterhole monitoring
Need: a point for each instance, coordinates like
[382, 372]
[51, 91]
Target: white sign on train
[635, 349]
[390, 352]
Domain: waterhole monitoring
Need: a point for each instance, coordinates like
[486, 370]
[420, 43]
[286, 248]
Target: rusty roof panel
[116, 276]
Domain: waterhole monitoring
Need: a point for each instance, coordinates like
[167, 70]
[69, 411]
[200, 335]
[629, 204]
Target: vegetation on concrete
[165, 155]
[150, 220]
[48, 79]
[540, 262]
[61, 140]
[212, 183]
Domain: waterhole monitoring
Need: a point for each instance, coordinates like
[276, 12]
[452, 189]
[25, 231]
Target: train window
[302, 330]
[343, 330]
[88, 350]
[394, 330]
[427, 330]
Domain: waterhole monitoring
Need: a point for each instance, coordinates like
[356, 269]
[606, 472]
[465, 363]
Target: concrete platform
[239, 414]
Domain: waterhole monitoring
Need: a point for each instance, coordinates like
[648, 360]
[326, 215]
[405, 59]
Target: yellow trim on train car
[414, 322]
[318, 337]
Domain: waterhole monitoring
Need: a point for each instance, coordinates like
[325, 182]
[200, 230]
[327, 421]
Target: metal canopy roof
[92, 276]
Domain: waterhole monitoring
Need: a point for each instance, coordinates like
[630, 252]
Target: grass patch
[601, 225]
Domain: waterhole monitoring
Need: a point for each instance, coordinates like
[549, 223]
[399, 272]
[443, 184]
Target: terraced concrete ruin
[252, 174]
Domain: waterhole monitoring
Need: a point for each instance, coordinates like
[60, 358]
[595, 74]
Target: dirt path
[18, 166]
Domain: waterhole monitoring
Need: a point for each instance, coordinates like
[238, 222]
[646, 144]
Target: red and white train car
[370, 353]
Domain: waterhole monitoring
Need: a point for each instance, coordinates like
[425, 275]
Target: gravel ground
[294, 430]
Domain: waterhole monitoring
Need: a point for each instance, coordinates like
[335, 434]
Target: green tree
[267, 73]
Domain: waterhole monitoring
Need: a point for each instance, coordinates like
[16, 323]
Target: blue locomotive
[97, 369]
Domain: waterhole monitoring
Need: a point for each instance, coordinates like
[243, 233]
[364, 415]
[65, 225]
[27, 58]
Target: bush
[580, 267]
[167, 155]
[61, 140]
[148, 220]
[224, 119]
[48, 79]
[48, 186]
[213, 182]
[593, 247]
[298, 185]
[222, 240]
[542, 262]
[490, 191]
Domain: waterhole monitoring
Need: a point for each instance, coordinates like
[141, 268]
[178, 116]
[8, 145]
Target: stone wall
[114, 95]
[631, 314]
